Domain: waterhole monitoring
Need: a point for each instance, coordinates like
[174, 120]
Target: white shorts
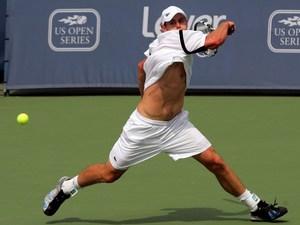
[143, 138]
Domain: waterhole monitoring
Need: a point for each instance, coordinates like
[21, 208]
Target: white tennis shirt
[167, 49]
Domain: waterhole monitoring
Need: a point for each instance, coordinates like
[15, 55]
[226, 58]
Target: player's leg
[225, 175]
[99, 173]
[135, 145]
[68, 187]
[185, 141]
[260, 210]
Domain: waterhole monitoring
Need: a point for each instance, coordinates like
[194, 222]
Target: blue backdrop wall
[2, 34]
[92, 43]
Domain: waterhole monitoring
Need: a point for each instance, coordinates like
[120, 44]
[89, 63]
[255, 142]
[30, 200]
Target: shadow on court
[172, 215]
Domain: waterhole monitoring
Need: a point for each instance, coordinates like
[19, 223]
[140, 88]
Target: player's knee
[212, 161]
[111, 177]
[217, 165]
[104, 173]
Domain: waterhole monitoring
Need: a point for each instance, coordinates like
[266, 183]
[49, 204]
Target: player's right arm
[217, 37]
[141, 76]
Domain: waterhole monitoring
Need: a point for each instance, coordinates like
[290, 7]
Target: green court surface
[258, 136]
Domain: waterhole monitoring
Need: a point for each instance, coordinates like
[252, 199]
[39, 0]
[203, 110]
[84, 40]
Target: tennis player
[159, 124]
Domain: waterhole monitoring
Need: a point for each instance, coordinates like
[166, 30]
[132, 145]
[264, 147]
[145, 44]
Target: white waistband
[157, 122]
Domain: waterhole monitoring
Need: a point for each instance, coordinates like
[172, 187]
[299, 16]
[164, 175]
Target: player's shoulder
[175, 32]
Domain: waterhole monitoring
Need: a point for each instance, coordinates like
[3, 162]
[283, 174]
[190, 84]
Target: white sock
[70, 186]
[249, 199]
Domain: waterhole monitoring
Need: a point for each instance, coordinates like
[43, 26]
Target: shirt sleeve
[193, 40]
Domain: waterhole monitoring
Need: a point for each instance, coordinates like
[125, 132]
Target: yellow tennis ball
[22, 118]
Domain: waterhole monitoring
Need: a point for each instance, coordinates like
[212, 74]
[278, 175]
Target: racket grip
[231, 30]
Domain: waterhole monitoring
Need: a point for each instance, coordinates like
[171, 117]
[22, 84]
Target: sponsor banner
[92, 43]
[214, 20]
[74, 30]
[284, 31]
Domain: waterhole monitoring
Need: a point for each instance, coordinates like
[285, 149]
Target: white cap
[168, 13]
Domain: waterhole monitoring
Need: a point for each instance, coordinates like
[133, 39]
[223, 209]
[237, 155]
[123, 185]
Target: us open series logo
[284, 31]
[74, 30]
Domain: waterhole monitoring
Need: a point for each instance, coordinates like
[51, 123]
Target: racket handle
[231, 30]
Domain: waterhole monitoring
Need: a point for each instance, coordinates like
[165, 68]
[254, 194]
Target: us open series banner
[92, 43]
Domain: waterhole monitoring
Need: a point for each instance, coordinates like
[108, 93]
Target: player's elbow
[213, 42]
[218, 42]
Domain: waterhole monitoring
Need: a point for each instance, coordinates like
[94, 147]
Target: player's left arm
[141, 76]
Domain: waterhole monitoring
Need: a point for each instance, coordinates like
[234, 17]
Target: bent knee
[110, 174]
[111, 177]
[212, 161]
[216, 165]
